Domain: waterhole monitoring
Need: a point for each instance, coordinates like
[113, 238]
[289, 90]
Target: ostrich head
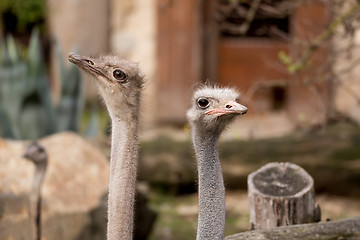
[213, 108]
[119, 81]
[35, 153]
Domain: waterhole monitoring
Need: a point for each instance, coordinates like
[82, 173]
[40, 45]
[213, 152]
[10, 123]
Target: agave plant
[13, 87]
[26, 107]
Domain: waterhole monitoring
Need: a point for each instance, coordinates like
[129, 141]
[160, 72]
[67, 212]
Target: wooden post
[281, 194]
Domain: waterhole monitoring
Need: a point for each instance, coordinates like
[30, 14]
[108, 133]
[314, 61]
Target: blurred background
[296, 64]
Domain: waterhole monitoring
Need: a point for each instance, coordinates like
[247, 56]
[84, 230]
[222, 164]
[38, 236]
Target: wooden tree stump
[281, 194]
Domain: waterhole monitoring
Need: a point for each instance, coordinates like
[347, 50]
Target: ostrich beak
[231, 107]
[88, 64]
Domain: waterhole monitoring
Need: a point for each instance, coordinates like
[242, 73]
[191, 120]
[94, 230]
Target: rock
[75, 183]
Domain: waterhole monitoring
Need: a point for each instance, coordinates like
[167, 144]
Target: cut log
[281, 194]
[348, 229]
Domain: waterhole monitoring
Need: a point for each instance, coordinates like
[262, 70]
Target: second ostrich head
[119, 82]
[36, 154]
[214, 108]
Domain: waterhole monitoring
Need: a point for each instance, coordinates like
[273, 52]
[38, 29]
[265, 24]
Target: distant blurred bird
[120, 83]
[36, 154]
[212, 110]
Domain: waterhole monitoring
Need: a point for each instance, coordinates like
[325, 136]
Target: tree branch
[249, 17]
[348, 229]
[304, 59]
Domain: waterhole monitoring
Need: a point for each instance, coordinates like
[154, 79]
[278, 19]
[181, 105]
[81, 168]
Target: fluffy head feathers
[212, 108]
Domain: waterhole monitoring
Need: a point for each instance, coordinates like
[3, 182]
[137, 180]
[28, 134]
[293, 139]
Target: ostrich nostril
[228, 106]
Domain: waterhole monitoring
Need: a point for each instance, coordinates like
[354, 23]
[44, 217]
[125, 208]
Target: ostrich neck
[122, 182]
[35, 200]
[211, 218]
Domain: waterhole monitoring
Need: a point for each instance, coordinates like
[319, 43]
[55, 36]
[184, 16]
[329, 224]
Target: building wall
[81, 26]
[156, 34]
[347, 75]
[133, 35]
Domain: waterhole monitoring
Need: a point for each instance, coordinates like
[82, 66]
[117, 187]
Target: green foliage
[26, 107]
[350, 153]
[27, 12]
[13, 87]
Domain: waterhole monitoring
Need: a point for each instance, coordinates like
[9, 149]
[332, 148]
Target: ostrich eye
[203, 103]
[119, 75]
[89, 62]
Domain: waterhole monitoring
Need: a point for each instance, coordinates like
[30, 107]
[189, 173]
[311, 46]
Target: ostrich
[36, 154]
[212, 110]
[120, 83]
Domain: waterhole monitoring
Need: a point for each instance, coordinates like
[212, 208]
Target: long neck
[35, 200]
[122, 182]
[211, 218]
